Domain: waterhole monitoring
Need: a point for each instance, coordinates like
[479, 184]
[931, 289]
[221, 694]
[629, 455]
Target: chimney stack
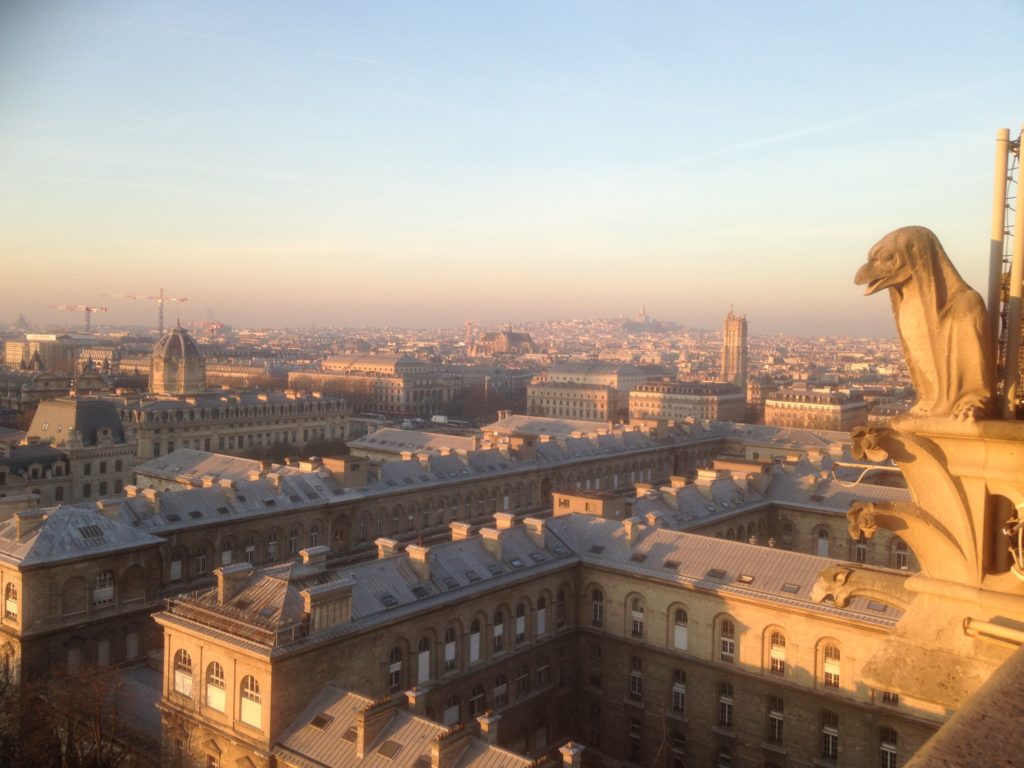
[387, 548]
[460, 530]
[229, 579]
[631, 527]
[492, 541]
[419, 560]
[535, 530]
[315, 557]
[370, 724]
[489, 727]
[446, 749]
[572, 754]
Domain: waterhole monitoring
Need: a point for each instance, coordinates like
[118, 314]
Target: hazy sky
[425, 163]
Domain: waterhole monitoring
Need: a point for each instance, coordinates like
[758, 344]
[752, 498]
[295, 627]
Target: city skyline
[406, 166]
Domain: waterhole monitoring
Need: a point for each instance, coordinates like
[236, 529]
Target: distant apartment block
[815, 409]
[395, 384]
[678, 400]
[562, 399]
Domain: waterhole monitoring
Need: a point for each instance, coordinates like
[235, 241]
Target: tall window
[829, 735]
[679, 633]
[725, 704]
[499, 632]
[887, 747]
[520, 623]
[727, 641]
[500, 696]
[477, 701]
[636, 677]
[293, 541]
[252, 708]
[775, 719]
[450, 715]
[678, 691]
[597, 608]
[395, 669]
[423, 660]
[861, 549]
[450, 649]
[900, 554]
[314, 535]
[560, 609]
[830, 666]
[474, 641]
[822, 543]
[777, 664]
[215, 698]
[183, 673]
[637, 618]
[542, 616]
[11, 601]
[103, 590]
[523, 681]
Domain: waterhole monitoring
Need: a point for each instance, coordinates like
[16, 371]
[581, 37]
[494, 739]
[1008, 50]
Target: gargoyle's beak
[869, 275]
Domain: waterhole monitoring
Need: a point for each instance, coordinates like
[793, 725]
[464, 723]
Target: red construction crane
[81, 308]
[159, 299]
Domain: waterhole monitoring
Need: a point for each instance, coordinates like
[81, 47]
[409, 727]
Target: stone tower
[734, 350]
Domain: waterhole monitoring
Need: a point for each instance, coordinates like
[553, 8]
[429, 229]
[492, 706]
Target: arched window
[678, 691]
[727, 641]
[314, 535]
[500, 696]
[679, 630]
[395, 669]
[597, 608]
[474, 641]
[293, 541]
[499, 632]
[560, 609]
[183, 673]
[542, 616]
[11, 601]
[822, 543]
[103, 590]
[451, 639]
[861, 549]
[252, 707]
[520, 623]
[830, 666]
[423, 660]
[637, 618]
[215, 698]
[777, 652]
[725, 703]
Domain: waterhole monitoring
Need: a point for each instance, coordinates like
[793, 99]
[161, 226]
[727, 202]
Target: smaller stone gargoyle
[843, 583]
[942, 324]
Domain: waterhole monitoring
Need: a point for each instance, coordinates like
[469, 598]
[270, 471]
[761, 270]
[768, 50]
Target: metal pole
[1013, 312]
[995, 253]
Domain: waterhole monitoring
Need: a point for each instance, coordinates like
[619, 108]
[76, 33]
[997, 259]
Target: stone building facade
[562, 399]
[679, 400]
[814, 409]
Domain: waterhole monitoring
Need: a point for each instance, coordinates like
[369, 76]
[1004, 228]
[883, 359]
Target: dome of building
[178, 366]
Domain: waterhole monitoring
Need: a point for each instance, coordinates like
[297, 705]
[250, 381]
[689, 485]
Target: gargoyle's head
[831, 583]
[887, 265]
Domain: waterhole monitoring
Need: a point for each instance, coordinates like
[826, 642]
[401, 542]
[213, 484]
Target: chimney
[328, 605]
[572, 754]
[228, 483]
[131, 491]
[489, 727]
[535, 530]
[315, 557]
[370, 724]
[631, 526]
[492, 541]
[642, 489]
[209, 481]
[502, 415]
[406, 455]
[460, 530]
[424, 460]
[419, 560]
[677, 481]
[349, 471]
[229, 579]
[504, 520]
[387, 548]
[446, 749]
[416, 698]
[254, 474]
[27, 521]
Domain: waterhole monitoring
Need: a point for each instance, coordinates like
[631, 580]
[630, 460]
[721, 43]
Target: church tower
[734, 350]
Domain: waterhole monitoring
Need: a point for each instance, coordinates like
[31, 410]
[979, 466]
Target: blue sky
[427, 163]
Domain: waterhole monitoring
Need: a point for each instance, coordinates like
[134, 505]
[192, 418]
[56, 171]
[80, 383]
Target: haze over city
[425, 164]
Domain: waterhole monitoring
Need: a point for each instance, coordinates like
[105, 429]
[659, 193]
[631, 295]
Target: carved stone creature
[941, 321]
[843, 583]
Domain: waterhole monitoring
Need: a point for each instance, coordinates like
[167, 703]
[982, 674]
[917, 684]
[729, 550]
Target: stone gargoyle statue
[942, 324]
[842, 583]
